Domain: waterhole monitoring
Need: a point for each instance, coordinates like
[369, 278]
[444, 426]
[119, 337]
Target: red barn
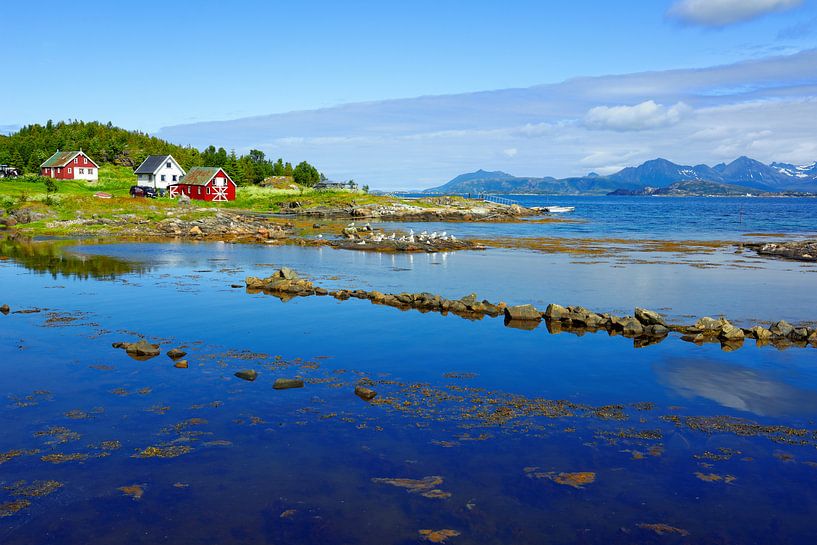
[70, 165]
[205, 184]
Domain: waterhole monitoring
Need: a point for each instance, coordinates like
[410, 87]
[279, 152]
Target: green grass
[74, 198]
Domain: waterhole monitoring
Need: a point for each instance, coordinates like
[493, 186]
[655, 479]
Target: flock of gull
[422, 238]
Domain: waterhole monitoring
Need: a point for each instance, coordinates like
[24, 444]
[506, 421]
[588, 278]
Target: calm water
[718, 446]
[690, 218]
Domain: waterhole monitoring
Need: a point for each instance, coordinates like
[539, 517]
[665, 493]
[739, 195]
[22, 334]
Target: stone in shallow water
[365, 393]
[649, 317]
[176, 353]
[522, 313]
[247, 374]
[143, 349]
[5, 310]
[287, 383]
[10, 508]
[181, 364]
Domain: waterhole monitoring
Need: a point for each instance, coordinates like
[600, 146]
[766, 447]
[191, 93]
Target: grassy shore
[75, 199]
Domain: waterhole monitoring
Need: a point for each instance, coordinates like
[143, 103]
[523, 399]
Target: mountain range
[741, 175]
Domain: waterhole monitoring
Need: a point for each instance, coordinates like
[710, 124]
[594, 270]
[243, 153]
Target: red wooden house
[70, 165]
[205, 184]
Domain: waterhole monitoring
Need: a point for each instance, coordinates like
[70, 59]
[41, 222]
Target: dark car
[143, 191]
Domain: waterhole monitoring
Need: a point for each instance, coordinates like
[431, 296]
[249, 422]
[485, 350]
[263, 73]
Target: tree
[306, 174]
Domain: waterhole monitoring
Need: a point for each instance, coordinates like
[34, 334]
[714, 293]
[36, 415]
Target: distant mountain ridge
[742, 173]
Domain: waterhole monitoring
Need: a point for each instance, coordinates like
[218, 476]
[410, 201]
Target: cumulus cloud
[644, 116]
[719, 13]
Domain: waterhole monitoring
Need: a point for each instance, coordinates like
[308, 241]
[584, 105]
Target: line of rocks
[645, 326]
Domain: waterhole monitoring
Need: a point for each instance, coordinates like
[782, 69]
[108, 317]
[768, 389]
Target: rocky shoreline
[805, 250]
[431, 210]
[645, 327]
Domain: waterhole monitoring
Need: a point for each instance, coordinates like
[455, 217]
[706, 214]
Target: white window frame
[69, 170]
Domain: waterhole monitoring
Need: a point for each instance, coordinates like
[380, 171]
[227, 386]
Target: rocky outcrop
[4, 310]
[523, 313]
[430, 210]
[283, 281]
[796, 250]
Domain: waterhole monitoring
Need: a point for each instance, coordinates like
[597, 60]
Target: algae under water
[478, 434]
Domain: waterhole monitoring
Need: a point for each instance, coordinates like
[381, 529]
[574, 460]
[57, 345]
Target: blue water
[297, 466]
[662, 218]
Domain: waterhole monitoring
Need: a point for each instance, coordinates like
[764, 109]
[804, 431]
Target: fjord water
[684, 443]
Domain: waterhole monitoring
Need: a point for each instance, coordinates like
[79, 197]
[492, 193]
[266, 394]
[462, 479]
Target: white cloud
[510, 152]
[718, 13]
[701, 115]
[644, 116]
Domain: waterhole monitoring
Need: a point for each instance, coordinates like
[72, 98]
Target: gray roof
[151, 164]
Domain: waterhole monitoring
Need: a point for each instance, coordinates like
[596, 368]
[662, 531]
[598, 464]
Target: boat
[554, 209]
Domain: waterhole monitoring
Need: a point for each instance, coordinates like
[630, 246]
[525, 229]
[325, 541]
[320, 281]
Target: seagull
[411, 232]
[320, 236]
[351, 224]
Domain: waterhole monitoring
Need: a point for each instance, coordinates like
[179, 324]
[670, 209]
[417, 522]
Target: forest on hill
[104, 143]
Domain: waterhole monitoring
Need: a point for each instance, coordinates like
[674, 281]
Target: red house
[70, 165]
[205, 184]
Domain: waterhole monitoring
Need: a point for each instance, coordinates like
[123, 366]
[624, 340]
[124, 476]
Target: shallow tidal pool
[480, 433]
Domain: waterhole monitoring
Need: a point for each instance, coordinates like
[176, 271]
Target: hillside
[110, 145]
[33, 144]
[741, 176]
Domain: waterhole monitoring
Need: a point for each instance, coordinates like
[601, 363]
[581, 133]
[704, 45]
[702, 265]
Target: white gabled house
[159, 171]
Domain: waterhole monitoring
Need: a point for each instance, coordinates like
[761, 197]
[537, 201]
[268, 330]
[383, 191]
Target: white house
[159, 171]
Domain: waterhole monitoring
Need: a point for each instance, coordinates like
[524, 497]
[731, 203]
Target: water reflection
[59, 259]
[736, 387]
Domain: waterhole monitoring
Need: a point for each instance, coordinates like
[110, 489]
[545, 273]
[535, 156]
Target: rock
[761, 333]
[249, 375]
[799, 334]
[556, 312]
[632, 327]
[181, 364]
[812, 339]
[143, 349]
[176, 353]
[656, 330]
[120, 345]
[522, 313]
[708, 326]
[365, 393]
[730, 333]
[469, 300]
[5, 310]
[287, 273]
[287, 383]
[195, 231]
[782, 329]
[184, 199]
[9, 222]
[236, 286]
[648, 317]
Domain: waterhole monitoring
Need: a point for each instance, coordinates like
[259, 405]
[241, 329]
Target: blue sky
[147, 65]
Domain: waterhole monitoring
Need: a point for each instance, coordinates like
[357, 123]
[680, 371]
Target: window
[69, 170]
[82, 171]
[174, 177]
[163, 177]
[76, 160]
[208, 189]
[167, 164]
[198, 192]
[90, 171]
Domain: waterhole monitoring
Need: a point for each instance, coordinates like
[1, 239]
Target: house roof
[62, 158]
[201, 175]
[151, 164]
